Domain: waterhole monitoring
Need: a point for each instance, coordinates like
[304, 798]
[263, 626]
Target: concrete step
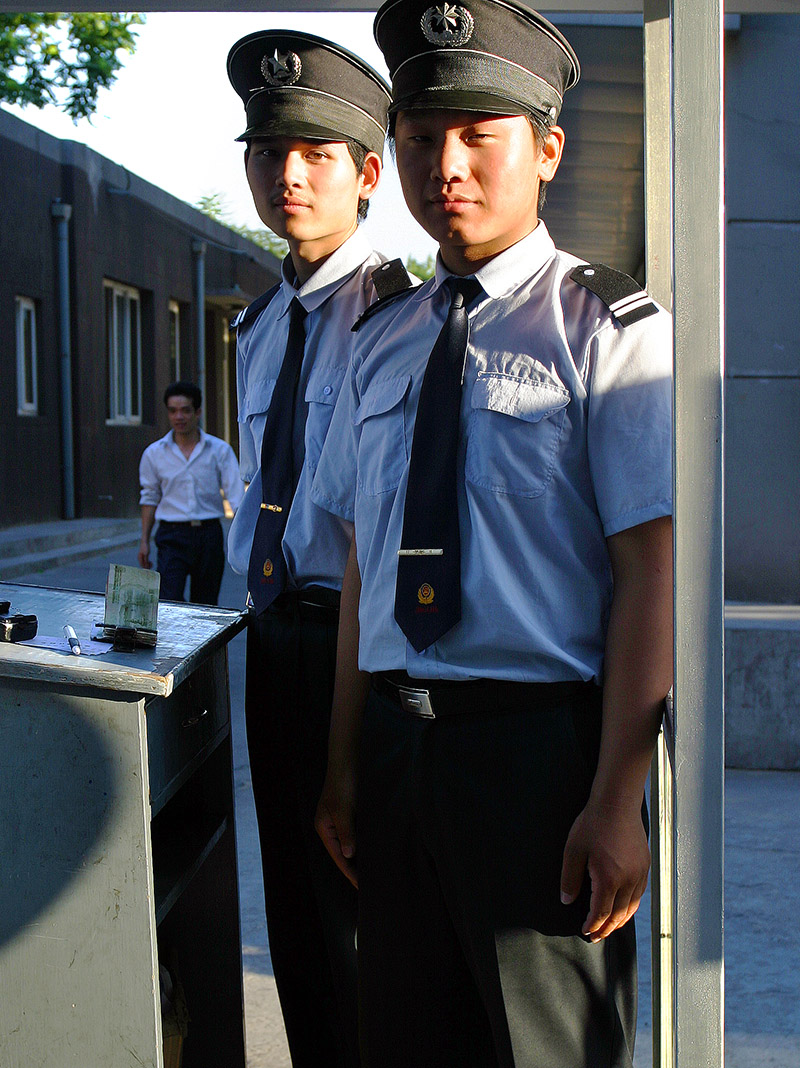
[35, 548]
[43, 537]
[762, 680]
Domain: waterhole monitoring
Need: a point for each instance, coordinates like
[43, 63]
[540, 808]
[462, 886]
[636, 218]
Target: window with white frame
[174, 341]
[123, 353]
[27, 371]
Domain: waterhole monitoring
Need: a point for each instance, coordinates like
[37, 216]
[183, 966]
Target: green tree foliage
[421, 268]
[214, 206]
[63, 58]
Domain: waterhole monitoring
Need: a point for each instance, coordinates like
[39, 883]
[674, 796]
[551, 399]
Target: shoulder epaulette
[254, 309]
[621, 294]
[391, 281]
[390, 278]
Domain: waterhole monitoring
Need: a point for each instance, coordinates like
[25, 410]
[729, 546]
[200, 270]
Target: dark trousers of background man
[193, 550]
[467, 958]
[311, 908]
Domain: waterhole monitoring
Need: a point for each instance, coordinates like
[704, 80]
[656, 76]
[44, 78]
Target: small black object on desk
[16, 628]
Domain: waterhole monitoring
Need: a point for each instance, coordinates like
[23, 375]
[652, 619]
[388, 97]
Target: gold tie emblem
[267, 568]
[425, 593]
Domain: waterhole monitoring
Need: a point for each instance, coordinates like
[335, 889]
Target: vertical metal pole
[657, 154]
[225, 377]
[662, 891]
[199, 253]
[61, 213]
[699, 680]
[658, 255]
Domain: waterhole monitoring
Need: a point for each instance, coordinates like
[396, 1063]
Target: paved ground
[762, 887]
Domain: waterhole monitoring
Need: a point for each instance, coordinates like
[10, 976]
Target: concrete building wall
[30, 179]
[762, 169]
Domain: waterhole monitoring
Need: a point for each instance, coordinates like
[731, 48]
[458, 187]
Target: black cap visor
[473, 82]
[295, 112]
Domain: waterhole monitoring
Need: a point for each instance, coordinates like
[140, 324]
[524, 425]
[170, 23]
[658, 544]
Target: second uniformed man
[316, 119]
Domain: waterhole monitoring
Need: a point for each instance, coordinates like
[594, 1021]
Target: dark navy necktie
[428, 591]
[266, 574]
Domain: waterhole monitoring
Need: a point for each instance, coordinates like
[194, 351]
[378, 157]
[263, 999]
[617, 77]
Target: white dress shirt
[186, 488]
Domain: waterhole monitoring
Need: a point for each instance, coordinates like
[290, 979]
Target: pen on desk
[72, 638]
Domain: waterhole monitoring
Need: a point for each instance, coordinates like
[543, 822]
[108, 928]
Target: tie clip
[272, 507]
[420, 552]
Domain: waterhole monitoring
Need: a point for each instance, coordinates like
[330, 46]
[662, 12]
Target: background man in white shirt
[183, 476]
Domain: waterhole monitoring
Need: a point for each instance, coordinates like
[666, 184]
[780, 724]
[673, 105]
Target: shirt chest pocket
[257, 398]
[380, 419]
[514, 432]
[321, 393]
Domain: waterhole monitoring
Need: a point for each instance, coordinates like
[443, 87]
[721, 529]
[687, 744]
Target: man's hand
[609, 842]
[148, 522]
[335, 818]
[335, 823]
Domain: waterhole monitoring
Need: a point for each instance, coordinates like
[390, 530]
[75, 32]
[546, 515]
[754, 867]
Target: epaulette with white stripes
[258, 305]
[622, 295]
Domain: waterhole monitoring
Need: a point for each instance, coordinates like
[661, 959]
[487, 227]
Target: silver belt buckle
[416, 702]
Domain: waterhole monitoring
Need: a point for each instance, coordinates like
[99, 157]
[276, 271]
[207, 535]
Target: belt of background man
[439, 698]
[187, 522]
[317, 604]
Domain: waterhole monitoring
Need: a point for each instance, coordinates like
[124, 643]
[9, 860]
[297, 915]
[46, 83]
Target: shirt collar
[510, 268]
[333, 273]
[168, 440]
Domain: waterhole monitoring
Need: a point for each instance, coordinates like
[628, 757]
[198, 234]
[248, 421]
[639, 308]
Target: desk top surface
[186, 634]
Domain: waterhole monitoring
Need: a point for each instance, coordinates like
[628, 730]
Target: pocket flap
[324, 384]
[531, 398]
[382, 396]
[257, 399]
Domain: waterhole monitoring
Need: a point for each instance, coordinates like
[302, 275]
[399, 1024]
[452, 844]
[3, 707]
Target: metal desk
[117, 841]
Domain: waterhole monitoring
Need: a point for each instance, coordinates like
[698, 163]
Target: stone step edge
[33, 563]
[65, 537]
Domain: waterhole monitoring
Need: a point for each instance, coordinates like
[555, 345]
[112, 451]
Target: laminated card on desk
[131, 612]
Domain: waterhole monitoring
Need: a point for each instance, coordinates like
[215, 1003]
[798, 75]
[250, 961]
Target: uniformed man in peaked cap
[503, 448]
[315, 124]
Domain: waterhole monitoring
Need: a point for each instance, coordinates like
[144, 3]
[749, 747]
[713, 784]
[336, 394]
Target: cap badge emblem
[281, 68]
[268, 568]
[447, 24]
[425, 593]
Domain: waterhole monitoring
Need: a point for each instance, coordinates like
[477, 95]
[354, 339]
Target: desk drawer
[181, 727]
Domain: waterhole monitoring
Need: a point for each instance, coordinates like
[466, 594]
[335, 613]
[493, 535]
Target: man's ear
[552, 151]
[370, 175]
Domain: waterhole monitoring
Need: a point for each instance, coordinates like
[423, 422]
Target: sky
[172, 115]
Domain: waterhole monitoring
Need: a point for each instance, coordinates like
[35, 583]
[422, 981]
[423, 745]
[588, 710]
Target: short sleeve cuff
[635, 518]
[344, 510]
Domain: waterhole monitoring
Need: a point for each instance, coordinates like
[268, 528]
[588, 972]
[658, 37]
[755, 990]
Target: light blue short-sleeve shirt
[315, 542]
[566, 439]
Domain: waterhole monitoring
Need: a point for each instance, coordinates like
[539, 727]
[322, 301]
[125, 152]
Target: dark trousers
[190, 551]
[467, 958]
[311, 908]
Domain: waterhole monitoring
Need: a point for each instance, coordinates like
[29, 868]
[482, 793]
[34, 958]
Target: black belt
[316, 603]
[187, 522]
[438, 698]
